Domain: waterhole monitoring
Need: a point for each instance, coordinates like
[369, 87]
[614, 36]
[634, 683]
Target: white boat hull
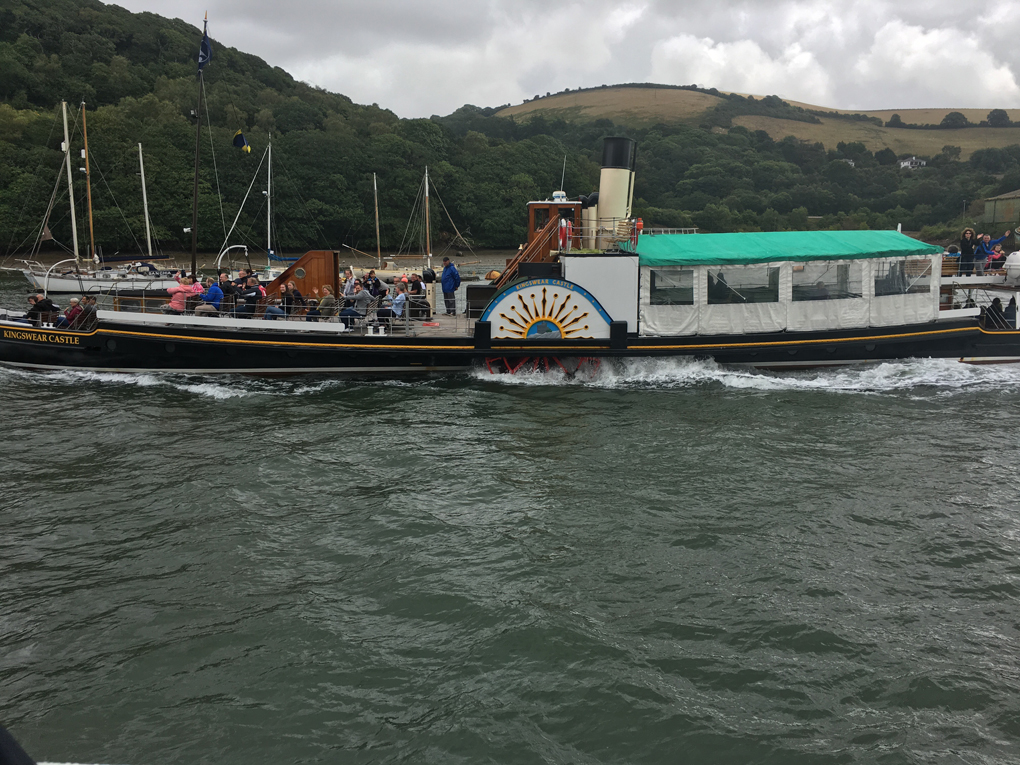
[87, 283]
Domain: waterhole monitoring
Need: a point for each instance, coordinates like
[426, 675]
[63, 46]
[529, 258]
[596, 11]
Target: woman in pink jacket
[179, 295]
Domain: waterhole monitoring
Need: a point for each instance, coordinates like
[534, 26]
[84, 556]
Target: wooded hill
[137, 73]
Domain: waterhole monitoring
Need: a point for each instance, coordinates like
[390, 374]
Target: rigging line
[250, 236]
[216, 170]
[25, 203]
[304, 204]
[116, 204]
[46, 217]
[254, 178]
[411, 219]
[450, 218]
[408, 231]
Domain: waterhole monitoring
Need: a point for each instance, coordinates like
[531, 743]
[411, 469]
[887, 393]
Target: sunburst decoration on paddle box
[546, 309]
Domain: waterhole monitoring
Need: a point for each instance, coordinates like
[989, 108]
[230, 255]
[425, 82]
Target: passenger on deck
[243, 275]
[998, 258]
[252, 293]
[718, 289]
[41, 309]
[87, 317]
[180, 293]
[229, 291]
[953, 252]
[451, 282]
[983, 251]
[211, 298]
[274, 312]
[416, 286]
[967, 245]
[327, 303]
[995, 318]
[293, 301]
[226, 285]
[356, 307]
[63, 322]
[1010, 313]
[348, 283]
[372, 284]
[312, 314]
[396, 309]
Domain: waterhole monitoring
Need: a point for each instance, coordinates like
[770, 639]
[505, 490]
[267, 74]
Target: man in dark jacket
[253, 292]
[41, 309]
[451, 281]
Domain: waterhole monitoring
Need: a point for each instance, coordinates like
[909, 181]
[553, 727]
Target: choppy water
[674, 562]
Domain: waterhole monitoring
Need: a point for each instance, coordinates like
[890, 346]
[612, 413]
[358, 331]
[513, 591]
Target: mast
[88, 183]
[204, 54]
[378, 242]
[194, 201]
[428, 231]
[269, 202]
[145, 202]
[70, 185]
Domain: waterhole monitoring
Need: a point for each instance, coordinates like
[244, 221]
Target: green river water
[672, 562]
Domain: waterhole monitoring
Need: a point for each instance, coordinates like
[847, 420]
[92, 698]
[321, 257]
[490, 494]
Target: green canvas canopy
[773, 246]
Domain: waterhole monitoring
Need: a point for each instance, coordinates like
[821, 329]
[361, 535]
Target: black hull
[126, 347]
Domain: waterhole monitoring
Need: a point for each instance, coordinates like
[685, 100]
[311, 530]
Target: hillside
[718, 161]
[641, 107]
[638, 107]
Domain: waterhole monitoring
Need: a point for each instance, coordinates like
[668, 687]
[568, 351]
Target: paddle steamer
[589, 285]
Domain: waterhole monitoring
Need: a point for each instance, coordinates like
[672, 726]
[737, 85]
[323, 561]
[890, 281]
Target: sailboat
[82, 275]
[270, 271]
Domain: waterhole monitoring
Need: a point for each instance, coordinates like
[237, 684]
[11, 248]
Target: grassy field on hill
[902, 141]
[640, 107]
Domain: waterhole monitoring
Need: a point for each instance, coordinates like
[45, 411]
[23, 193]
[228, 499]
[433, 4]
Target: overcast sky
[424, 58]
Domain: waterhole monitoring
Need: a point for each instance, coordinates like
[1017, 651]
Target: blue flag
[241, 142]
[205, 51]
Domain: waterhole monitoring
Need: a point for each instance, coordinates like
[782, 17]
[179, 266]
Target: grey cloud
[424, 58]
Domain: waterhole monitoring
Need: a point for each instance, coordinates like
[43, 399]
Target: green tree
[954, 120]
[998, 118]
[885, 156]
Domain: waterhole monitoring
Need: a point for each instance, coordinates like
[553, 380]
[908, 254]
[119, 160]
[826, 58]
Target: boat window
[902, 277]
[827, 281]
[672, 286]
[743, 284]
[541, 217]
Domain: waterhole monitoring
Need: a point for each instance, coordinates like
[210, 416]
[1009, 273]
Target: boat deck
[459, 325]
[438, 326]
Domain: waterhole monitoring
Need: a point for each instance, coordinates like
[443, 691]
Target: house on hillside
[912, 164]
[1004, 209]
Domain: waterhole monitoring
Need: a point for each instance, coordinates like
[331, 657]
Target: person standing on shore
[451, 281]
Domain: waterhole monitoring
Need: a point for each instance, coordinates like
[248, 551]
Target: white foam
[945, 376]
[209, 388]
[948, 375]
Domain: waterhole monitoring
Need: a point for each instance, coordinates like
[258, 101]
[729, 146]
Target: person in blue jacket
[451, 281]
[211, 297]
[983, 251]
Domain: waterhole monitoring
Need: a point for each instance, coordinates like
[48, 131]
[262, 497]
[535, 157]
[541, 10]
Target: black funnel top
[619, 152]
